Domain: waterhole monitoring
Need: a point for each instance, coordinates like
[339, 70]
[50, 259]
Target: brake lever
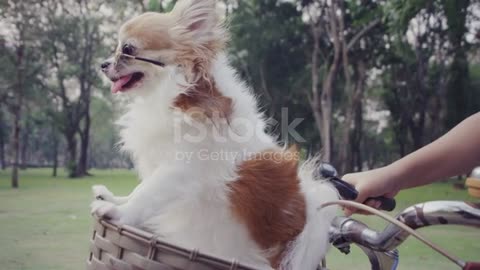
[347, 191]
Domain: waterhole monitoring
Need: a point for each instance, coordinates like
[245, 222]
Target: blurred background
[373, 80]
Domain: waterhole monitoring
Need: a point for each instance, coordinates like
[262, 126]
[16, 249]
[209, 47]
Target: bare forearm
[455, 153]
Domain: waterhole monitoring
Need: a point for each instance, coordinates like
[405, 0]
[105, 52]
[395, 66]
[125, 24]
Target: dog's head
[186, 38]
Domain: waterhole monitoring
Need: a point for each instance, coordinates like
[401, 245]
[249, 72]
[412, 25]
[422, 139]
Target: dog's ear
[196, 20]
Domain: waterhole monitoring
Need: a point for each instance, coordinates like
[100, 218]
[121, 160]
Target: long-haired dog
[212, 177]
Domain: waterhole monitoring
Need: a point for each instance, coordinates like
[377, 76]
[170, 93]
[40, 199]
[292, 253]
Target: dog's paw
[101, 192]
[105, 209]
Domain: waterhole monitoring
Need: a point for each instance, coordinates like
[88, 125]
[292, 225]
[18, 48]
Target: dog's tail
[311, 245]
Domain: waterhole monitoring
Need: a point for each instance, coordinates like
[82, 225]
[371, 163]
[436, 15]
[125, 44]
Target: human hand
[374, 183]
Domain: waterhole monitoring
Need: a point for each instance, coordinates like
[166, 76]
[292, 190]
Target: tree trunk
[355, 162]
[322, 101]
[71, 154]
[316, 103]
[82, 168]
[24, 147]
[401, 139]
[460, 100]
[417, 132]
[2, 152]
[322, 106]
[16, 145]
[350, 91]
[352, 108]
[17, 113]
[326, 125]
[55, 155]
[356, 159]
[86, 79]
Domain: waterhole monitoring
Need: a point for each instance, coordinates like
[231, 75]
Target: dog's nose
[105, 65]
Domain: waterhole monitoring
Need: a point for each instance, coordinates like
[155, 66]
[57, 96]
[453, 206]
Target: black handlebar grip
[347, 191]
[386, 204]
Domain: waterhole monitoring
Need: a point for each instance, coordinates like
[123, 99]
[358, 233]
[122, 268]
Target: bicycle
[128, 248]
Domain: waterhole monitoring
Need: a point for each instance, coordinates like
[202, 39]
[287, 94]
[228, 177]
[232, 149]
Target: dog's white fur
[183, 195]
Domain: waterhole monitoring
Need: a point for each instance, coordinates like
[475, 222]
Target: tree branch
[362, 32]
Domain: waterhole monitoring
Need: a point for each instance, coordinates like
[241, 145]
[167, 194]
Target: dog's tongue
[118, 84]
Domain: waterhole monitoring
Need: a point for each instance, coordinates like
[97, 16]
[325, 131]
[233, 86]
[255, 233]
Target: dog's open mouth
[126, 82]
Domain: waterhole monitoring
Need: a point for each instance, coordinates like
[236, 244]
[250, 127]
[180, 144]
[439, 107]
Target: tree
[359, 22]
[324, 22]
[460, 97]
[335, 33]
[20, 51]
[424, 86]
[74, 44]
[3, 140]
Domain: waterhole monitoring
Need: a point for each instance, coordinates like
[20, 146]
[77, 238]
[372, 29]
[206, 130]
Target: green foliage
[399, 13]
[361, 13]
[154, 5]
[71, 167]
[104, 151]
[160, 5]
[461, 99]
[475, 83]
[430, 76]
[269, 43]
[456, 15]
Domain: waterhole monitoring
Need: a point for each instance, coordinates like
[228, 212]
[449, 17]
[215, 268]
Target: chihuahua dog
[212, 178]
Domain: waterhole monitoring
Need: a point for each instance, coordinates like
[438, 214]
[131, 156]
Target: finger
[361, 198]
[349, 211]
[373, 203]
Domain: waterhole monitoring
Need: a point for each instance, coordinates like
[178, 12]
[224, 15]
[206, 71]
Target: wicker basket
[126, 248]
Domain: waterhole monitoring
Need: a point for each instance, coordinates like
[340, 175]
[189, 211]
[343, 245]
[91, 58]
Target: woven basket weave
[115, 247]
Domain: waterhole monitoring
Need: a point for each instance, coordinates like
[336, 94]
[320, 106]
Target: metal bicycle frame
[380, 247]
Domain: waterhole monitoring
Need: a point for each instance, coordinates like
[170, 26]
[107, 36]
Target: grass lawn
[45, 225]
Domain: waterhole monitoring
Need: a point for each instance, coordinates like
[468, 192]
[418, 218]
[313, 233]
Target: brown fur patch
[204, 101]
[267, 199]
[203, 97]
[151, 29]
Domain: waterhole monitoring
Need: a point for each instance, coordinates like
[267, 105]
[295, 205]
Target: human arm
[456, 152]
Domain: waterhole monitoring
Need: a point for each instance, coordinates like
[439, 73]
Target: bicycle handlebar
[417, 216]
[345, 231]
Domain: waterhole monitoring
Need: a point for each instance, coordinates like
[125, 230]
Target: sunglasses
[157, 63]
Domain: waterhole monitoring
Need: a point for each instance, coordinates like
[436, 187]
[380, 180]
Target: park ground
[45, 224]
